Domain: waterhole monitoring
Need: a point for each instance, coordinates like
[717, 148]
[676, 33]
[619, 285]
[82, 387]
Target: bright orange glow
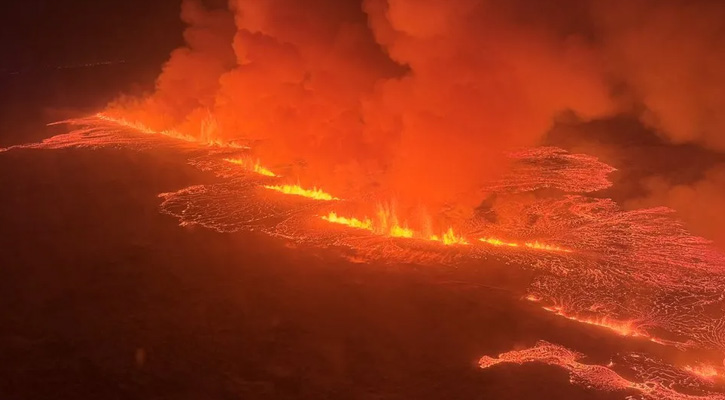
[400, 231]
[366, 224]
[251, 166]
[533, 298]
[659, 386]
[387, 224]
[535, 245]
[167, 132]
[703, 371]
[296, 190]
[449, 238]
[623, 328]
[541, 246]
[498, 242]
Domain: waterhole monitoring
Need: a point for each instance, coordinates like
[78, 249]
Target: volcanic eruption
[417, 131]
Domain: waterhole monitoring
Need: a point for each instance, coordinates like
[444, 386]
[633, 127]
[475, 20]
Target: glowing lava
[654, 380]
[536, 245]
[450, 238]
[498, 242]
[704, 371]
[394, 230]
[296, 190]
[623, 328]
[642, 264]
[167, 132]
[366, 224]
[547, 247]
[251, 166]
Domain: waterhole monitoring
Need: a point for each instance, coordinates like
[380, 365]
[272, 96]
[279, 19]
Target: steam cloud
[419, 99]
[699, 204]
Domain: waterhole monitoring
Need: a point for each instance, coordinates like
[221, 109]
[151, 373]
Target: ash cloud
[698, 204]
[670, 56]
[419, 99]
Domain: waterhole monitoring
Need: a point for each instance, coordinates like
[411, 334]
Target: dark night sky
[39, 36]
[40, 33]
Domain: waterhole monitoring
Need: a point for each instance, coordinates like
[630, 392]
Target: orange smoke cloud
[698, 204]
[670, 56]
[417, 100]
[479, 83]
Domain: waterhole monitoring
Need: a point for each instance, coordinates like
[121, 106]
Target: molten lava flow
[314, 193]
[366, 224]
[548, 247]
[450, 238]
[533, 298]
[623, 328]
[387, 225]
[401, 232]
[145, 129]
[167, 132]
[704, 371]
[251, 166]
[642, 264]
[498, 242]
[536, 245]
[653, 379]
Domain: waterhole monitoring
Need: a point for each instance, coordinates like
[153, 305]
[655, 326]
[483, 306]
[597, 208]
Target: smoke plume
[418, 100]
[698, 204]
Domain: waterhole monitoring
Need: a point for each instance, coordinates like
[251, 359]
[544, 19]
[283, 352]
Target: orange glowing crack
[498, 242]
[623, 328]
[594, 376]
[250, 166]
[401, 232]
[167, 132]
[314, 193]
[450, 238]
[535, 245]
[541, 246]
[393, 230]
[387, 225]
[366, 224]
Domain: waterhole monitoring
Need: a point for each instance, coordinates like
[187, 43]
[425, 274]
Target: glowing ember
[366, 224]
[251, 166]
[297, 190]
